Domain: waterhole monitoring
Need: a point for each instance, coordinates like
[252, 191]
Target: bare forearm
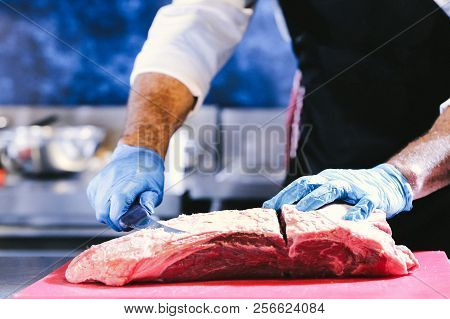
[157, 106]
[426, 162]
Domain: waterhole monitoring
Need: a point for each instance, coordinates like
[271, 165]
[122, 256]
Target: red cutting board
[432, 280]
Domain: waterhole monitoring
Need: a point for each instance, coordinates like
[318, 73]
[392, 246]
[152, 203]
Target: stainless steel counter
[17, 272]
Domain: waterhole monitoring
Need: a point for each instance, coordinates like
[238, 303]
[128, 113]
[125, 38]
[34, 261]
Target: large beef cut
[217, 245]
[321, 243]
[254, 243]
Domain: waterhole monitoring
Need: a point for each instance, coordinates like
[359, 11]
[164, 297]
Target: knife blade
[138, 217]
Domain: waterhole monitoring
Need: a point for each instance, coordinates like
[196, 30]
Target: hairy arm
[157, 106]
[172, 68]
[425, 163]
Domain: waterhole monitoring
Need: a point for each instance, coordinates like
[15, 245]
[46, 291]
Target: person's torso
[374, 74]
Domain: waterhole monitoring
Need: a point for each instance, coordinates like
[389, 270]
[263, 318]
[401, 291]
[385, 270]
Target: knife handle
[135, 215]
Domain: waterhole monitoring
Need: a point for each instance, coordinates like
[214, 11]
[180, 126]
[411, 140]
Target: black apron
[374, 73]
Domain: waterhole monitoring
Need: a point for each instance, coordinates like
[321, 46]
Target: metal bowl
[39, 150]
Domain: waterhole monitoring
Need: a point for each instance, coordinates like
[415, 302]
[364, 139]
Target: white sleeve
[191, 40]
[444, 106]
[445, 5]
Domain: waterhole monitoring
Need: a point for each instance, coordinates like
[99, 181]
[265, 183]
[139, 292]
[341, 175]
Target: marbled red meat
[217, 245]
[248, 244]
[322, 243]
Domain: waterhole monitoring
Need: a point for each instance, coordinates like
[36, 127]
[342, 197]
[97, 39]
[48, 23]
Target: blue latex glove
[133, 172]
[382, 187]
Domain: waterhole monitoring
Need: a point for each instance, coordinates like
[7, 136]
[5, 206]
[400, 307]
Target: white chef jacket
[190, 40]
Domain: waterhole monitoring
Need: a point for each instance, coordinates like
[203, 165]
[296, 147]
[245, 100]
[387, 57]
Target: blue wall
[36, 68]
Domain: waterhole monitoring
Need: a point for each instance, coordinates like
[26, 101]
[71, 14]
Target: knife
[138, 217]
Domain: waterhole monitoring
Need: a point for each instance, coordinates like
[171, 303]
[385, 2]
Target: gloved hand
[133, 172]
[382, 187]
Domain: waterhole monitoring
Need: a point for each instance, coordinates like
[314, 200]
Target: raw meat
[321, 243]
[218, 245]
[248, 244]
